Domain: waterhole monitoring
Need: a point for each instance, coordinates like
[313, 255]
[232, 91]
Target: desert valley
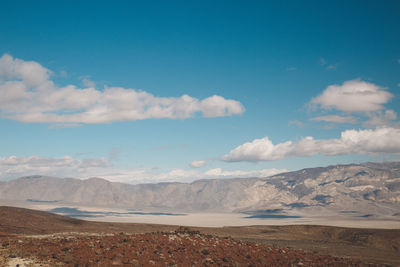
[367, 192]
[315, 220]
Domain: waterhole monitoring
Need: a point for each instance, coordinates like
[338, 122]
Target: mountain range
[368, 189]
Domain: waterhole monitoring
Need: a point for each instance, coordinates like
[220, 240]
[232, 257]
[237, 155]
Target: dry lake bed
[102, 214]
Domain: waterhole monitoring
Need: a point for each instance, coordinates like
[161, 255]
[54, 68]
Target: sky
[174, 91]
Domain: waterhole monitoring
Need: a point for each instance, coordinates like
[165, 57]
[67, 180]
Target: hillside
[15, 220]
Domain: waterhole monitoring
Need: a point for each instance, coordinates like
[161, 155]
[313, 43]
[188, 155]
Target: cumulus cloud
[29, 95]
[336, 119]
[383, 140]
[16, 166]
[353, 96]
[197, 163]
[29, 72]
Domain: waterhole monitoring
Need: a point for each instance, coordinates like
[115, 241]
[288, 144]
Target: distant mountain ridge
[369, 188]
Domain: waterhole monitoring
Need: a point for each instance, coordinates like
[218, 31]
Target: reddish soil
[179, 248]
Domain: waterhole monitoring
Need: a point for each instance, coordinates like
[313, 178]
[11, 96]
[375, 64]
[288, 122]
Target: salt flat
[226, 219]
[236, 219]
[211, 219]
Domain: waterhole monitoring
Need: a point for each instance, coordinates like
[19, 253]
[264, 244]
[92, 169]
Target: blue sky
[95, 88]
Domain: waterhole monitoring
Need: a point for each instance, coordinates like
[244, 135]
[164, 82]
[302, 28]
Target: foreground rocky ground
[36, 238]
[176, 248]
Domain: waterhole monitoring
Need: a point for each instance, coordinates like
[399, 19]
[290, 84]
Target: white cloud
[216, 106]
[259, 150]
[180, 175]
[381, 118]
[197, 163]
[15, 166]
[29, 95]
[219, 173]
[353, 96]
[336, 119]
[88, 83]
[30, 72]
[383, 140]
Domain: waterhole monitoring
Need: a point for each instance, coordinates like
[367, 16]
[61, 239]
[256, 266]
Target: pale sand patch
[24, 263]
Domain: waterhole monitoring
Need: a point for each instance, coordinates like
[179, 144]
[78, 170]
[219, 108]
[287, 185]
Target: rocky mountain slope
[368, 189]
